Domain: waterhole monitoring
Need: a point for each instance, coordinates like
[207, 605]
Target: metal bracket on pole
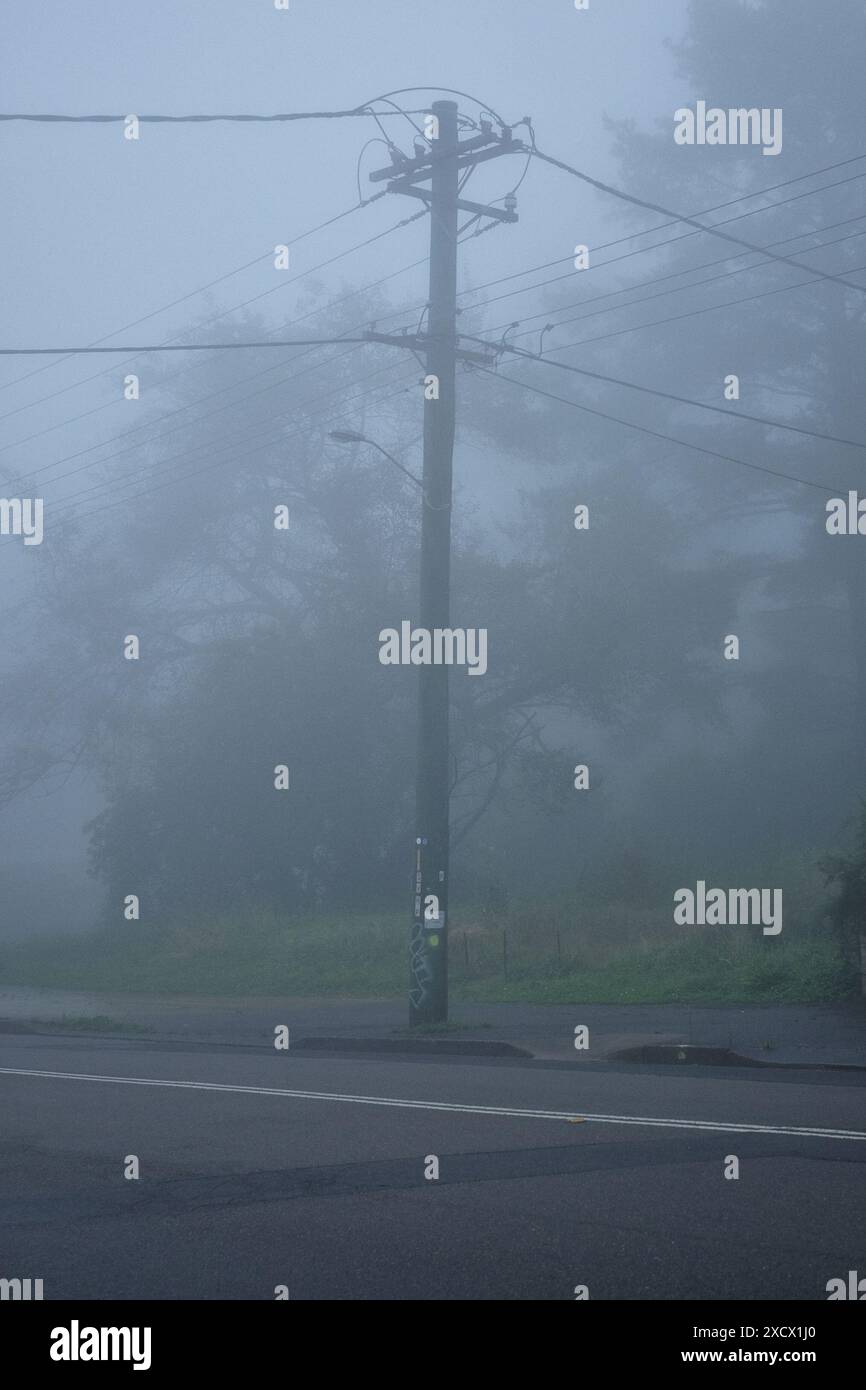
[480, 209]
[420, 344]
[468, 152]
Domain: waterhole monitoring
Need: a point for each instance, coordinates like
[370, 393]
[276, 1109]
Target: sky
[102, 230]
[98, 231]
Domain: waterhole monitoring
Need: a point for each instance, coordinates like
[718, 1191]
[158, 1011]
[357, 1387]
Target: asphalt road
[260, 1169]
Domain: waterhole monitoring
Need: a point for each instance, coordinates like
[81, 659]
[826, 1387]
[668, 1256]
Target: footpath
[805, 1035]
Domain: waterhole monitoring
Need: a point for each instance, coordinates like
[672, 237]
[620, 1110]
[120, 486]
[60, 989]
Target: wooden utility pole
[442, 166]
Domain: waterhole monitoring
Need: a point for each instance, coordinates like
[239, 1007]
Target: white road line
[716, 1126]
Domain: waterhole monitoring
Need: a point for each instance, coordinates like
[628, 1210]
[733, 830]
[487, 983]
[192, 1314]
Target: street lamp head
[347, 437]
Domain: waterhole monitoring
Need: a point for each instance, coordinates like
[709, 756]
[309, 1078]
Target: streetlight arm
[417, 481]
[353, 437]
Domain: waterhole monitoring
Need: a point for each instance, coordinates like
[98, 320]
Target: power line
[282, 415]
[152, 119]
[670, 318]
[221, 463]
[187, 424]
[180, 347]
[281, 116]
[350, 404]
[452, 91]
[691, 313]
[181, 477]
[520, 352]
[134, 323]
[676, 275]
[201, 347]
[198, 420]
[502, 279]
[202, 399]
[313, 343]
[669, 241]
[362, 202]
[175, 376]
[640, 251]
[669, 395]
[213, 319]
[689, 221]
[49, 429]
[658, 434]
[396, 313]
[637, 251]
[148, 424]
[168, 465]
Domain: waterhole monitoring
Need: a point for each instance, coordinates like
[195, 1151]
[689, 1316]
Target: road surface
[259, 1170]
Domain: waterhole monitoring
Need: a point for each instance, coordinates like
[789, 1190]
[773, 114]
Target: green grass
[689, 972]
[255, 954]
[553, 955]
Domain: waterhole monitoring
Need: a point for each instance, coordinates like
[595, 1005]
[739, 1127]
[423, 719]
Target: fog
[259, 647]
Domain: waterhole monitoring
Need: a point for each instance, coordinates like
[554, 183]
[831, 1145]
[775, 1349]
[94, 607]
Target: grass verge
[532, 956]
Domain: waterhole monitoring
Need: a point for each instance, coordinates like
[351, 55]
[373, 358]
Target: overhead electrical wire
[643, 250]
[677, 318]
[201, 289]
[186, 424]
[289, 323]
[711, 229]
[667, 395]
[180, 477]
[362, 202]
[171, 346]
[547, 265]
[396, 313]
[689, 220]
[658, 434]
[637, 251]
[696, 284]
[213, 319]
[153, 119]
[232, 447]
[184, 347]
